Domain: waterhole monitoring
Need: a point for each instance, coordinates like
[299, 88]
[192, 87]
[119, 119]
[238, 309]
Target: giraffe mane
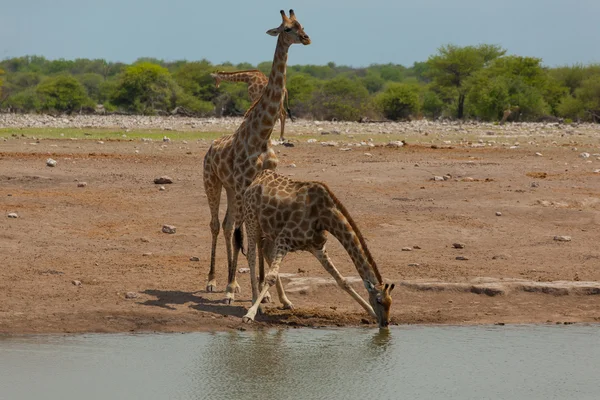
[359, 235]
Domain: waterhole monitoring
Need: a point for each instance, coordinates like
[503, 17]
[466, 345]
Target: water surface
[420, 362]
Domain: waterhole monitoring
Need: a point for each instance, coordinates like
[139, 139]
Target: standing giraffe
[282, 215]
[234, 161]
[256, 81]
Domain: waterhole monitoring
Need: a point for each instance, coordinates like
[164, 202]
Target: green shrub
[62, 93]
[399, 101]
[342, 99]
[145, 88]
[26, 100]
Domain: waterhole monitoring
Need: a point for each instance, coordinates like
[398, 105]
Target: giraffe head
[381, 301]
[290, 30]
[217, 79]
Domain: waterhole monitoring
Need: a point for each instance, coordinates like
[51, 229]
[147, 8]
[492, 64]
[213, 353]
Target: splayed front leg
[287, 304]
[341, 281]
[270, 279]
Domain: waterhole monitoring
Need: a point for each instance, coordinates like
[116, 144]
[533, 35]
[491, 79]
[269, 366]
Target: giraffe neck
[241, 76]
[265, 111]
[341, 225]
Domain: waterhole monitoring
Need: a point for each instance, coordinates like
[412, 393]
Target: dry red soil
[107, 235]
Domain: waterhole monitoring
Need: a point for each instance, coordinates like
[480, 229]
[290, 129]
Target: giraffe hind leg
[228, 225]
[261, 269]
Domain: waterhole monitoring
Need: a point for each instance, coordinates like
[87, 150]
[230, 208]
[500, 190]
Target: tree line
[470, 82]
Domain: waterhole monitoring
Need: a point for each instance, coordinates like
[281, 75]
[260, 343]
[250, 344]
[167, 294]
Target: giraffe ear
[273, 32]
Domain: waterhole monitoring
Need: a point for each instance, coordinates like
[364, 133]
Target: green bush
[145, 88]
[342, 99]
[92, 83]
[300, 89]
[571, 107]
[399, 101]
[432, 104]
[196, 106]
[589, 94]
[62, 93]
[26, 100]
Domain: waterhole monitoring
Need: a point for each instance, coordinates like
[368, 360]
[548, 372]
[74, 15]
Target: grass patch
[107, 134]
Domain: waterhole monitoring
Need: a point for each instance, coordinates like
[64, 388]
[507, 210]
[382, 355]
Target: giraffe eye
[288, 29]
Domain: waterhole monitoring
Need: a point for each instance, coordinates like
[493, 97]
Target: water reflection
[279, 363]
[409, 362]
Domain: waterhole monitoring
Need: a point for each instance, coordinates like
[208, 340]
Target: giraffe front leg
[323, 257]
[287, 304]
[270, 280]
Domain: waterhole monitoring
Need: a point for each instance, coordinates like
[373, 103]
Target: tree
[399, 101]
[145, 88]
[62, 93]
[453, 66]
[26, 100]
[194, 78]
[1, 82]
[340, 98]
[589, 95]
[509, 81]
[373, 81]
[300, 91]
[92, 83]
[432, 105]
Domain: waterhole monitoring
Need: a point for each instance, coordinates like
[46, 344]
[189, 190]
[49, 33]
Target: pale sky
[347, 32]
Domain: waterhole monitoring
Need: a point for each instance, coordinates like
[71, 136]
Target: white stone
[562, 238]
[51, 163]
[395, 144]
[169, 229]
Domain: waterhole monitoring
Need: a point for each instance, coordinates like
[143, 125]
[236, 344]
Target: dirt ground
[107, 235]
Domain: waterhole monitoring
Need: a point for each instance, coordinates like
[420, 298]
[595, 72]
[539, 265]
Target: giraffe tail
[238, 239]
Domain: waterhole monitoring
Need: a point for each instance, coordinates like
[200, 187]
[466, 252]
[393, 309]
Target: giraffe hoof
[211, 286]
[233, 288]
[288, 306]
[247, 320]
[228, 301]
